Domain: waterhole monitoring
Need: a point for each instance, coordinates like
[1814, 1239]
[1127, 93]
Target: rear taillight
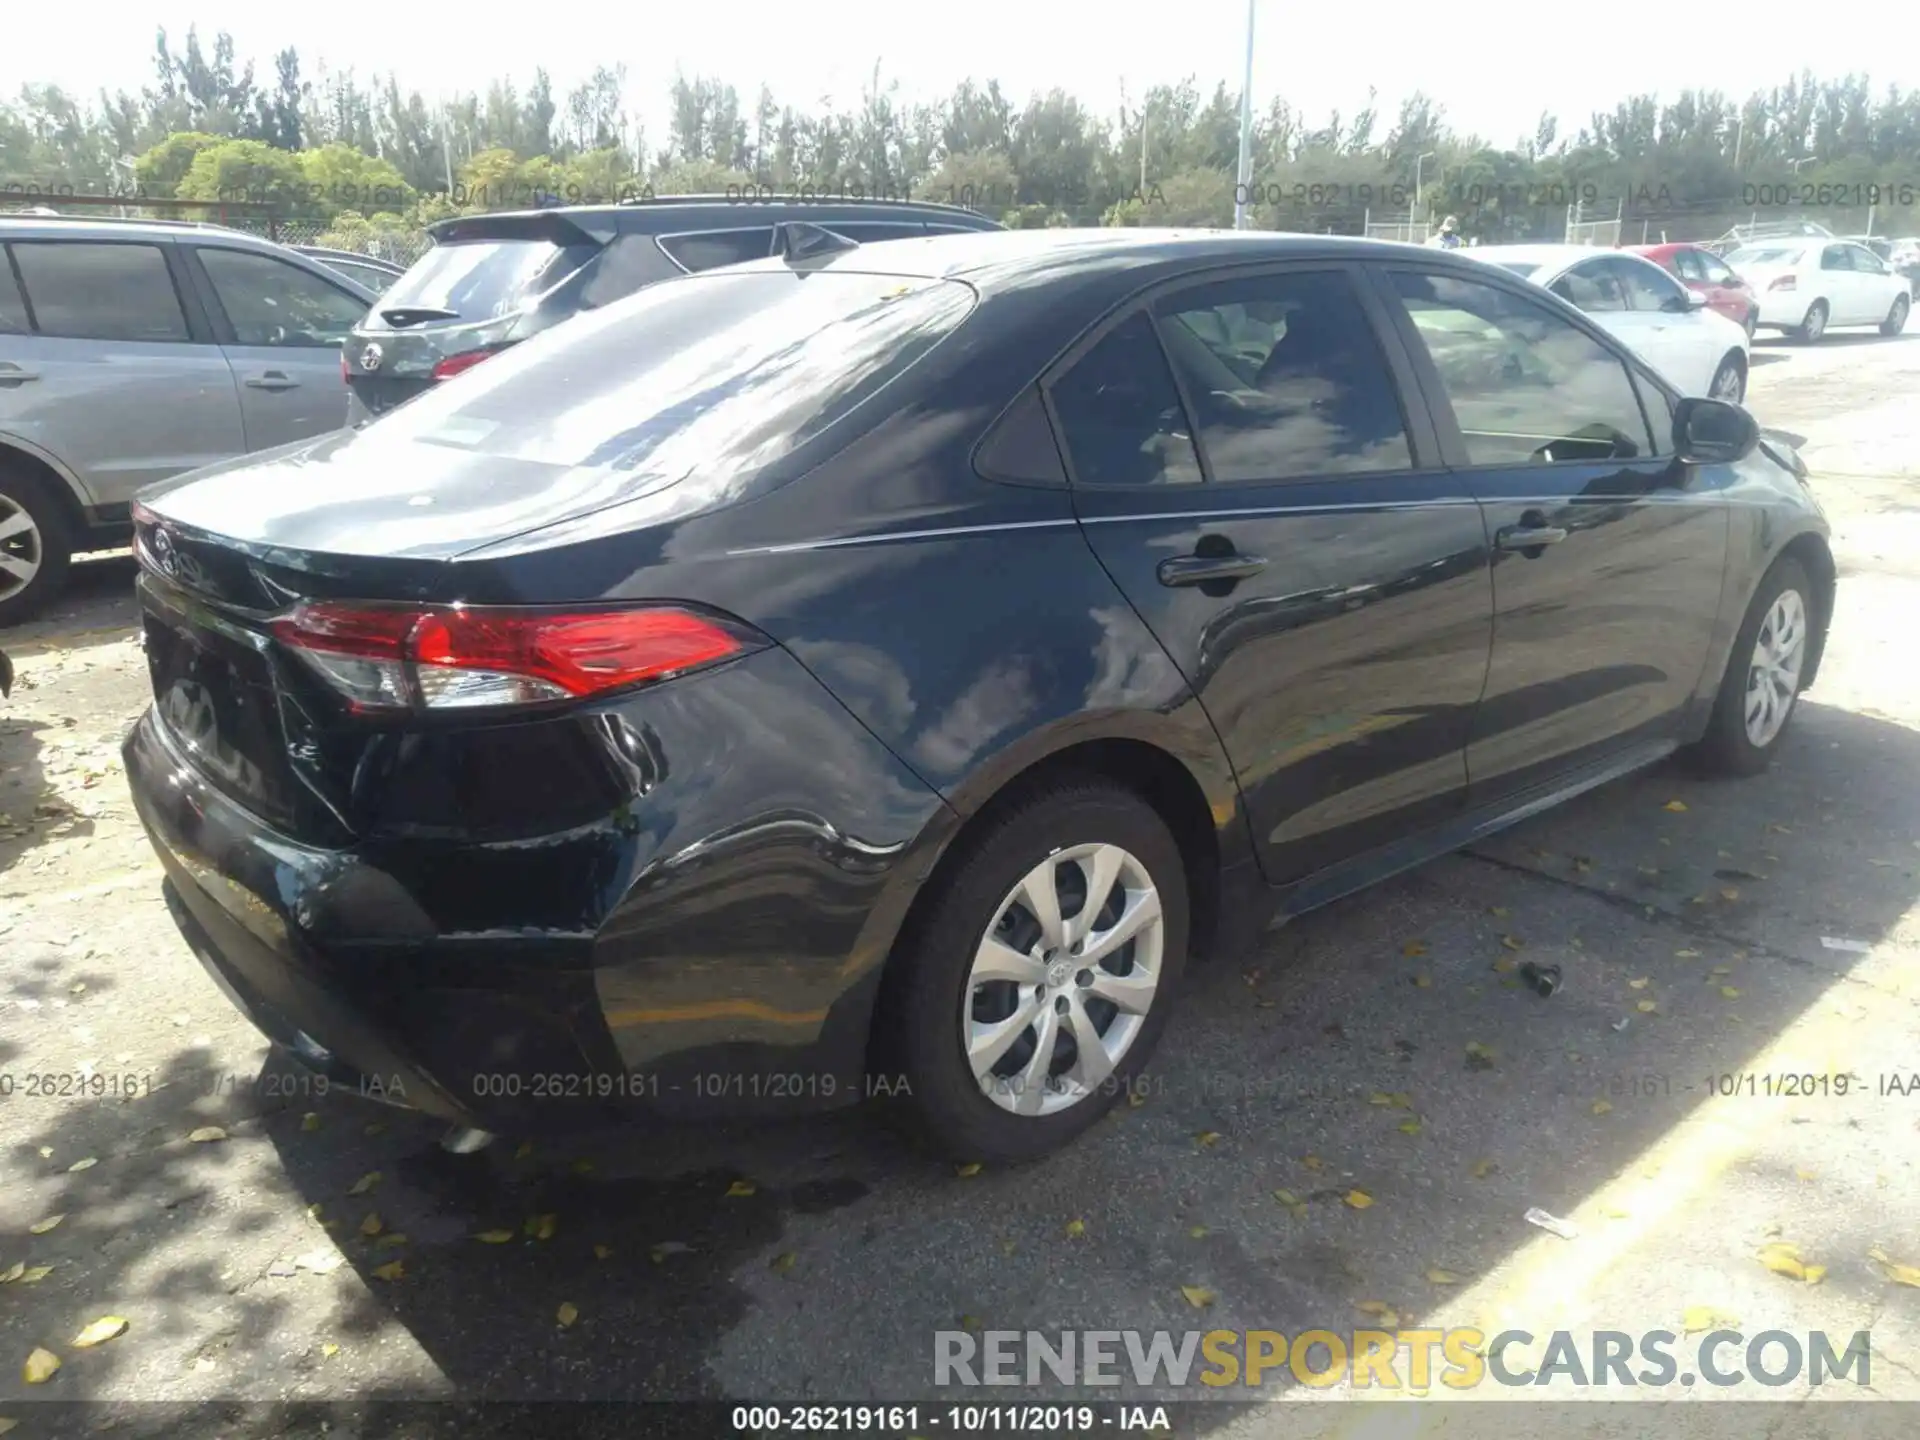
[1785, 282]
[346, 371]
[384, 657]
[456, 364]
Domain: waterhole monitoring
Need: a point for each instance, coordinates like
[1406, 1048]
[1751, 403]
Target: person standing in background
[1449, 236]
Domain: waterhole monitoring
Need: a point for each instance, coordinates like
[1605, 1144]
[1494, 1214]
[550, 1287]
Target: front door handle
[1201, 569]
[1528, 537]
[272, 380]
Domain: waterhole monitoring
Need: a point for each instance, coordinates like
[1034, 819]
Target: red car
[1700, 269]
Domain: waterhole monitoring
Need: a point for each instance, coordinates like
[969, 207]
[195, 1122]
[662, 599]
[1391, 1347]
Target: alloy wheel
[1816, 323]
[1773, 672]
[21, 548]
[1063, 979]
[1728, 383]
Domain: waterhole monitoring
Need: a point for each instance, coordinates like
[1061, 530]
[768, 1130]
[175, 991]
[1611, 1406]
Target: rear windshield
[728, 371]
[1767, 255]
[484, 279]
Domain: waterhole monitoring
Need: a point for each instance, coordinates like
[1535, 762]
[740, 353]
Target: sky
[1494, 65]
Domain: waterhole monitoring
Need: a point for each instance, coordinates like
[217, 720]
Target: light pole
[1418, 161]
[1245, 172]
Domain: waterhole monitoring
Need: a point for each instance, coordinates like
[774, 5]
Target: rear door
[1841, 285]
[116, 377]
[281, 328]
[1277, 514]
[1608, 553]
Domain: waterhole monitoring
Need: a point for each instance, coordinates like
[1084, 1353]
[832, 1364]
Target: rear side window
[1687, 262]
[1120, 414]
[484, 279]
[13, 308]
[714, 248]
[722, 374]
[89, 291]
[270, 302]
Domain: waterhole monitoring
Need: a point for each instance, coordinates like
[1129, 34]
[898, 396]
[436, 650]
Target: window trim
[224, 332]
[1453, 445]
[192, 315]
[660, 240]
[1426, 448]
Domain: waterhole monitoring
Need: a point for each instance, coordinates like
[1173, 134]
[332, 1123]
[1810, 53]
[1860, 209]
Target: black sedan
[878, 670]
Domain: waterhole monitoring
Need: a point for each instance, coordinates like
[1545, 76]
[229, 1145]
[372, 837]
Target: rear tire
[1730, 380]
[1815, 325]
[1752, 323]
[990, 980]
[1896, 320]
[36, 546]
[1761, 688]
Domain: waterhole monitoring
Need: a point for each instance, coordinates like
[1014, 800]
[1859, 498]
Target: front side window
[1120, 415]
[1286, 378]
[1648, 287]
[1714, 269]
[1526, 385]
[1687, 262]
[269, 302]
[1592, 287]
[83, 290]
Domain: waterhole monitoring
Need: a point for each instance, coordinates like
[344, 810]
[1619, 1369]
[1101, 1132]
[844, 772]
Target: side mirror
[1713, 432]
[1695, 300]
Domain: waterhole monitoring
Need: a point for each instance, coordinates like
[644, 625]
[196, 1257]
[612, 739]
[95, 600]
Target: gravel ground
[241, 1267]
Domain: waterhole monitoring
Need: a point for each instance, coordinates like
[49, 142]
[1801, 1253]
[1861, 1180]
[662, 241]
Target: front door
[1608, 553]
[1245, 468]
[282, 335]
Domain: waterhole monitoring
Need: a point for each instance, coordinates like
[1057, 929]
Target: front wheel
[1040, 978]
[1729, 381]
[1815, 325]
[1762, 683]
[1896, 320]
[34, 548]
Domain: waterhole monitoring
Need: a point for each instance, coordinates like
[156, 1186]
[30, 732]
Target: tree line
[365, 151]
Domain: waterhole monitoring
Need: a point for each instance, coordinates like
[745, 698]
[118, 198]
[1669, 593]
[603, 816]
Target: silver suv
[134, 350]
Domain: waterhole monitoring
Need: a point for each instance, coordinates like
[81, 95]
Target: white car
[1700, 351]
[1807, 286]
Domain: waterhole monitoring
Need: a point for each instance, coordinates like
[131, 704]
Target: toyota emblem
[161, 546]
[371, 357]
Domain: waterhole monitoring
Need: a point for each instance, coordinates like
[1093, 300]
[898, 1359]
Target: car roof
[1557, 256]
[671, 214]
[20, 226]
[991, 260]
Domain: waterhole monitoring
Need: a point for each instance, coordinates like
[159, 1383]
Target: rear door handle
[1199, 569]
[272, 380]
[1529, 537]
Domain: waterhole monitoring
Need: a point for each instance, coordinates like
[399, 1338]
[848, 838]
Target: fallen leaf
[79, 1165]
[329, 1349]
[969, 1322]
[1613, 1212]
[1007, 1247]
[1424, 982]
[602, 1252]
[543, 1226]
[1896, 1272]
[1313, 1162]
[1504, 965]
[1815, 1274]
[1696, 1318]
[1358, 1199]
[740, 1188]
[1800, 1172]
[1678, 807]
[390, 1242]
[1288, 1198]
[567, 1314]
[1721, 970]
[968, 1171]
[785, 1262]
[39, 1367]
[8, 1425]
[1198, 1296]
[315, 1210]
[13, 1272]
[41, 1227]
[1076, 1228]
[1647, 1007]
[1639, 984]
[1582, 864]
[1499, 912]
[310, 1121]
[525, 1152]
[494, 1237]
[1732, 892]
[669, 1247]
[207, 1135]
[46, 1152]
[1512, 942]
[99, 1332]
[1783, 1259]
[1409, 1127]
[1483, 1168]
[35, 1274]
[1198, 1232]
[1601, 1107]
[1686, 954]
[372, 1225]
[1388, 1317]
[1479, 1056]
[1414, 948]
[1728, 992]
[1206, 1139]
[1135, 1099]
[1443, 1277]
[392, 1270]
[365, 1183]
[1397, 1100]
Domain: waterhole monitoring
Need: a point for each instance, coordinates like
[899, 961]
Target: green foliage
[248, 171]
[161, 169]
